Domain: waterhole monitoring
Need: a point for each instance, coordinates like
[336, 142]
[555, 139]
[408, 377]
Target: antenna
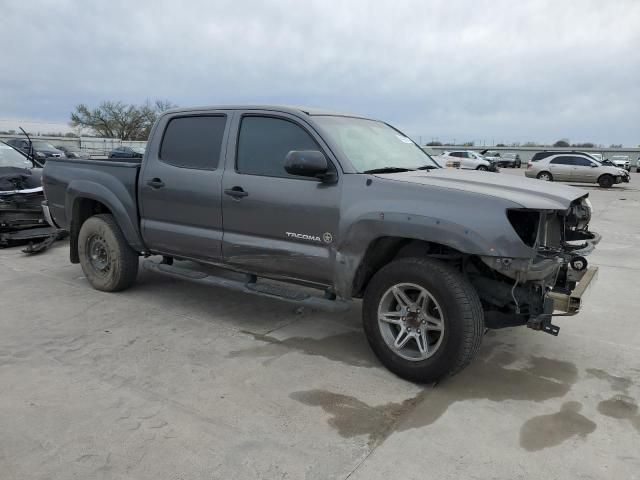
[31, 154]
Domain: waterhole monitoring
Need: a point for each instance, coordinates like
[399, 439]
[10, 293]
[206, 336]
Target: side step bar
[261, 289]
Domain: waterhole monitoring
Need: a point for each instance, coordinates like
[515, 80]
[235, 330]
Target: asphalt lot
[171, 380]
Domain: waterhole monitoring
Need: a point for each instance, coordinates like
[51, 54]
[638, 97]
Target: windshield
[10, 158]
[371, 145]
[137, 149]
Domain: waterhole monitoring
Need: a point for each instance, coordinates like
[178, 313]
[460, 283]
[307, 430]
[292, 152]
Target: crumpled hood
[527, 192]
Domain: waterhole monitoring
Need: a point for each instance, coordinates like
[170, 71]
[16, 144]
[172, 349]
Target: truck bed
[115, 178]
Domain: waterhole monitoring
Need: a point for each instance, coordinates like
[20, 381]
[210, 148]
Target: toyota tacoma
[290, 198]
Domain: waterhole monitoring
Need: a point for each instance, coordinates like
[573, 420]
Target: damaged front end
[527, 291]
[22, 219]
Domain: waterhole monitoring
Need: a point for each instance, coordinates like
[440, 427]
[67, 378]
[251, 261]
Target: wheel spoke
[423, 344]
[402, 338]
[401, 297]
[433, 323]
[422, 300]
[391, 317]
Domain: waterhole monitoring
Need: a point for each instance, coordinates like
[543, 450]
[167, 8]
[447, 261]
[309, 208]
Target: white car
[468, 159]
[622, 161]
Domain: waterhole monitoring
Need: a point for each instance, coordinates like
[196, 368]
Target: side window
[456, 154]
[264, 142]
[562, 161]
[193, 142]
[582, 162]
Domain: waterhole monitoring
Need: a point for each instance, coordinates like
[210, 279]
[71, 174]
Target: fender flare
[86, 189]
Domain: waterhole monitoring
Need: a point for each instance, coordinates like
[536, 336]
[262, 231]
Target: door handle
[236, 192]
[155, 183]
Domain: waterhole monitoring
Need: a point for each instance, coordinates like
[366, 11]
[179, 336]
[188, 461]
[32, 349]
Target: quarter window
[193, 142]
[264, 143]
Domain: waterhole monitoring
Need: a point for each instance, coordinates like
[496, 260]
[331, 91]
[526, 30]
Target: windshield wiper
[427, 167]
[389, 170]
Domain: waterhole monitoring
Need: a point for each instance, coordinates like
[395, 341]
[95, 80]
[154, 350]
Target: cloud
[502, 70]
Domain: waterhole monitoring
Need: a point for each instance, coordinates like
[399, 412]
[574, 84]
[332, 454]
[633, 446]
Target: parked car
[547, 153]
[622, 161]
[41, 150]
[346, 205]
[638, 165]
[127, 152]
[509, 160]
[22, 218]
[573, 167]
[469, 160]
[73, 152]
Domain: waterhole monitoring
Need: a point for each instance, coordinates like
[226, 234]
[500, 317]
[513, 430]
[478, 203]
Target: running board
[261, 289]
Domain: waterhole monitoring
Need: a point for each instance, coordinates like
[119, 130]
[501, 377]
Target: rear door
[277, 224]
[180, 186]
[561, 167]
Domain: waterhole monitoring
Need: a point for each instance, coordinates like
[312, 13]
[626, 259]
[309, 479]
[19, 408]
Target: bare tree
[562, 143]
[119, 120]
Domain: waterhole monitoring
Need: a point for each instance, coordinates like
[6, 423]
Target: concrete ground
[171, 380]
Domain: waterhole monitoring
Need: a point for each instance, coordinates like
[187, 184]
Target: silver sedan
[575, 168]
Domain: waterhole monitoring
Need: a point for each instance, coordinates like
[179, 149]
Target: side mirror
[308, 163]
[593, 165]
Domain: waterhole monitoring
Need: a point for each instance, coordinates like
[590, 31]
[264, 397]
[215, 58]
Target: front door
[181, 184]
[584, 170]
[277, 224]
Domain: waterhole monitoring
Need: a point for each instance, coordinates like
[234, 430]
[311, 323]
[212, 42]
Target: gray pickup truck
[293, 201]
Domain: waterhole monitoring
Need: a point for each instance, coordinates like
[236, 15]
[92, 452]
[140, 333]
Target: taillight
[529, 165]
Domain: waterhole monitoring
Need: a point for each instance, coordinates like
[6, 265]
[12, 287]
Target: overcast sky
[465, 70]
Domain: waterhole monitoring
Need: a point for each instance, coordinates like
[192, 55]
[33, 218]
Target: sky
[466, 70]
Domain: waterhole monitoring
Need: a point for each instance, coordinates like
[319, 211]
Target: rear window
[193, 142]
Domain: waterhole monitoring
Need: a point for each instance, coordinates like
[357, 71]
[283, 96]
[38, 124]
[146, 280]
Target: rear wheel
[546, 176]
[423, 320]
[107, 260]
[606, 181]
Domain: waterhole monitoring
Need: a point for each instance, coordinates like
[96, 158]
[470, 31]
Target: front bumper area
[571, 303]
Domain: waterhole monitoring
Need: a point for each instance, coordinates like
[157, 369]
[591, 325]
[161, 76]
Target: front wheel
[107, 260]
[423, 320]
[482, 168]
[605, 181]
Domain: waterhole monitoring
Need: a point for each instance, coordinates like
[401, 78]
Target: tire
[605, 181]
[546, 176]
[452, 299]
[107, 260]
[482, 168]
